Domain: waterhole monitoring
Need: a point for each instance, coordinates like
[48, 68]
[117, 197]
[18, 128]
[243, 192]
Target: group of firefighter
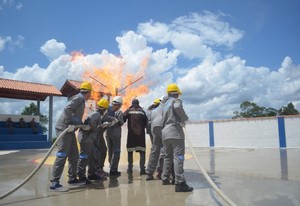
[164, 121]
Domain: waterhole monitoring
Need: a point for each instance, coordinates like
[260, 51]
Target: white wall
[246, 133]
[292, 131]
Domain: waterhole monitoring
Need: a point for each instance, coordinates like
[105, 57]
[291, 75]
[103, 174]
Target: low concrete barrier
[267, 132]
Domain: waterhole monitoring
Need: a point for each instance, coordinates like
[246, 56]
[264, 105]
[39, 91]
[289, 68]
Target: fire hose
[40, 165]
[207, 177]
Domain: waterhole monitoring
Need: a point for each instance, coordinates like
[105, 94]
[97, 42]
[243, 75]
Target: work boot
[114, 173]
[183, 187]
[165, 182]
[149, 177]
[143, 172]
[94, 176]
[84, 180]
[73, 181]
[103, 174]
[56, 187]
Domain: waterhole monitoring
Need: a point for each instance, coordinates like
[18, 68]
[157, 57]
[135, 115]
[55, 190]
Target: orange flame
[112, 80]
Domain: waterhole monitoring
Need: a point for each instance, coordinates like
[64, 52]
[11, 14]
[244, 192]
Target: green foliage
[288, 110]
[33, 111]
[251, 109]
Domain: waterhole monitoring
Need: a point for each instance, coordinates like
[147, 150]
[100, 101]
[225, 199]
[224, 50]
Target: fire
[112, 80]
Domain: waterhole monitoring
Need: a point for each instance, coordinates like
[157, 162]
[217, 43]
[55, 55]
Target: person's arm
[178, 108]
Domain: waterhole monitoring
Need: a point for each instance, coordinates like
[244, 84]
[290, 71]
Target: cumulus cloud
[53, 49]
[214, 83]
[195, 35]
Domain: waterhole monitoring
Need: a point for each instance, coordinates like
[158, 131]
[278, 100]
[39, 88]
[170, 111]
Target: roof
[72, 87]
[26, 90]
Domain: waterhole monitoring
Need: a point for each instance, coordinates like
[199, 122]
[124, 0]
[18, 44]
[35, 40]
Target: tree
[288, 110]
[33, 111]
[251, 109]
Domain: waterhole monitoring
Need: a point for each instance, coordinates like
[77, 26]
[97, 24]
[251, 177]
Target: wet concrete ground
[260, 177]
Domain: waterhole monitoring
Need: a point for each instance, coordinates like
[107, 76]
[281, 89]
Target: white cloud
[53, 49]
[4, 41]
[10, 3]
[8, 41]
[195, 35]
[213, 85]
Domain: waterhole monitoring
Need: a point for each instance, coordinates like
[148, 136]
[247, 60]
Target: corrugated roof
[26, 90]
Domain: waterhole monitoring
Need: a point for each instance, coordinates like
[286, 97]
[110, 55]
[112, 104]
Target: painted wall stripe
[281, 132]
[211, 134]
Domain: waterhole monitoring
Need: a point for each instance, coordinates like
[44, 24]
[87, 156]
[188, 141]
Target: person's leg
[109, 148]
[94, 163]
[85, 155]
[130, 162]
[103, 151]
[63, 147]
[178, 152]
[73, 156]
[142, 162]
[167, 165]
[154, 154]
[160, 162]
[116, 153]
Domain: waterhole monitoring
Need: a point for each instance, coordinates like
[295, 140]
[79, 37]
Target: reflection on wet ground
[247, 176]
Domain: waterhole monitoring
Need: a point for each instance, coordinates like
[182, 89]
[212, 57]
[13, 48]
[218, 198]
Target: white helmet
[117, 100]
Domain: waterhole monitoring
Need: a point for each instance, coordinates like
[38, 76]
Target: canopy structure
[15, 89]
[26, 90]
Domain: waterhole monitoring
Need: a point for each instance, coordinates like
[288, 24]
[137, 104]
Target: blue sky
[219, 52]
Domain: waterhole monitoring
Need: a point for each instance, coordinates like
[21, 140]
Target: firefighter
[155, 121]
[87, 138]
[113, 136]
[174, 118]
[67, 146]
[137, 123]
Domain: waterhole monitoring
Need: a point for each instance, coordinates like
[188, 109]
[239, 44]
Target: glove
[105, 124]
[114, 121]
[76, 120]
[86, 127]
[71, 128]
[182, 124]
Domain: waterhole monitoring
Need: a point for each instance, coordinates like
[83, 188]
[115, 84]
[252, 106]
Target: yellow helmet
[156, 101]
[86, 86]
[173, 88]
[104, 103]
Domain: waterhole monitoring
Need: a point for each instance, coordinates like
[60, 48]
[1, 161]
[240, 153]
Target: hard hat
[173, 88]
[117, 100]
[156, 101]
[103, 103]
[86, 86]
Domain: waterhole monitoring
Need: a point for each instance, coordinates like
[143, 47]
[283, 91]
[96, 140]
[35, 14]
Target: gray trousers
[98, 155]
[114, 150]
[67, 148]
[175, 149]
[85, 157]
[155, 151]
[160, 162]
